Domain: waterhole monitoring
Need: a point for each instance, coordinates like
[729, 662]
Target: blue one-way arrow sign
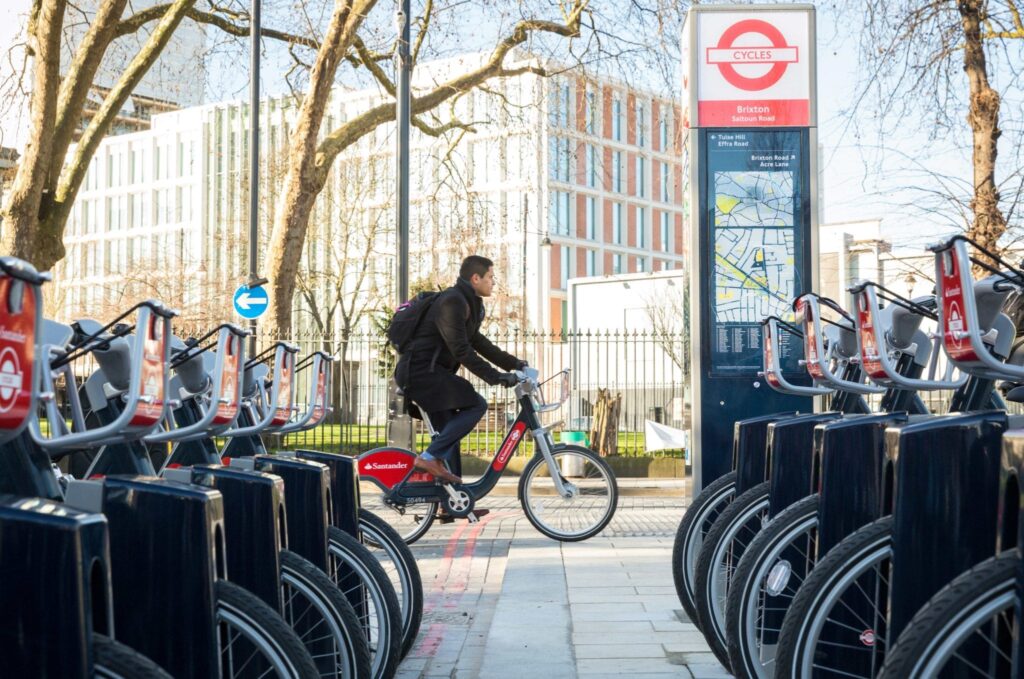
[250, 302]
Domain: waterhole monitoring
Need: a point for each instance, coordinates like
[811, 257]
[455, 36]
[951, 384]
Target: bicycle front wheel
[767, 578]
[397, 560]
[114, 660]
[836, 623]
[254, 640]
[591, 499]
[324, 619]
[694, 527]
[965, 630]
[362, 580]
[723, 548]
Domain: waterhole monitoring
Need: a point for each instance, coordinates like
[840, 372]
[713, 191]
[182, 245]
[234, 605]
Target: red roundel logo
[867, 637]
[776, 55]
[11, 379]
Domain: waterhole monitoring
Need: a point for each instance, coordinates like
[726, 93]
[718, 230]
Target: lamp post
[402, 116]
[254, 157]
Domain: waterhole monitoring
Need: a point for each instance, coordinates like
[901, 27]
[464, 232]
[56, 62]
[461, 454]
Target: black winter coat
[449, 336]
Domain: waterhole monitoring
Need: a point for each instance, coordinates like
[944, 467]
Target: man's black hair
[474, 264]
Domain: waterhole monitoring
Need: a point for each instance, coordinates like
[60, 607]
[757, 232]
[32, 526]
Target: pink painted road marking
[443, 588]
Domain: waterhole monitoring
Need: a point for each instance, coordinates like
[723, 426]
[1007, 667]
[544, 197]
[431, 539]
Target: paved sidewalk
[501, 600]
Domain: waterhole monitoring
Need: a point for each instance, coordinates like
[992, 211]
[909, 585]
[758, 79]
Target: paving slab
[502, 601]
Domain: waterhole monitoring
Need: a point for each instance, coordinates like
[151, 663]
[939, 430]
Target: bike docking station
[157, 527]
[55, 559]
[946, 470]
[749, 103]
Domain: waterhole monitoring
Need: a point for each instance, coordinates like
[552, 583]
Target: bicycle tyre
[336, 614]
[697, 520]
[952, 616]
[754, 567]
[602, 470]
[382, 622]
[114, 660]
[388, 544]
[743, 516]
[266, 631]
[795, 653]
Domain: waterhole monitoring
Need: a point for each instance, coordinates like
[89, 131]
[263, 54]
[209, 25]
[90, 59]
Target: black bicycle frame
[416, 492]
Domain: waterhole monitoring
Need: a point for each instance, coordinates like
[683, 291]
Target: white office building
[560, 178]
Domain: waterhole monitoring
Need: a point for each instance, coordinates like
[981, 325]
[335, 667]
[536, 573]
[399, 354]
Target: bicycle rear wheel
[593, 494]
[254, 640]
[411, 521]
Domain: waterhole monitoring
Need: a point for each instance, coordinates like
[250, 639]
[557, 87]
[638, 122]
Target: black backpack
[407, 318]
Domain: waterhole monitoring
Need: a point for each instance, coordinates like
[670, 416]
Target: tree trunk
[49, 248]
[604, 428]
[21, 216]
[305, 177]
[79, 79]
[988, 224]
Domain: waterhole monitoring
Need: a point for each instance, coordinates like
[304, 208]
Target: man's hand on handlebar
[521, 364]
[508, 379]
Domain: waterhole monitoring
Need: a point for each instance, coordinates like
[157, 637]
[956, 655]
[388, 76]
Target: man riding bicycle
[449, 337]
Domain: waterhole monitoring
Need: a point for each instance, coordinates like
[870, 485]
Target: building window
[617, 171]
[560, 160]
[591, 262]
[591, 218]
[663, 134]
[559, 216]
[563, 269]
[641, 227]
[641, 176]
[665, 182]
[591, 166]
[665, 217]
[559, 103]
[617, 223]
[618, 116]
[590, 114]
[641, 124]
[641, 264]
[616, 264]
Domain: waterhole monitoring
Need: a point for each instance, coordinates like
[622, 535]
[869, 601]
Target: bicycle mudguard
[307, 501]
[749, 449]
[166, 551]
[344, 475]
[790, 452]
[849, 468]
[946, 486]
[56, 587]
[255, 519]
[387, 467]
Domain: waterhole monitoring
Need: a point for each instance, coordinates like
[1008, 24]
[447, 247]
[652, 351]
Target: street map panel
[754, 248]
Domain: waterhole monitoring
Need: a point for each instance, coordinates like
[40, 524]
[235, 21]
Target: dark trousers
[452, 426]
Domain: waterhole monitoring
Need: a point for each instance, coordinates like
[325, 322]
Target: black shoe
[444, 518]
